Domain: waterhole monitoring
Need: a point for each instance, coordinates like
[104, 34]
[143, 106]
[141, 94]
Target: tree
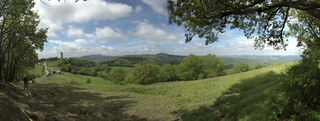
[20, 36]
[240, 67]
[166, 72]
[145, 73]
[87, 80]
[279, 63]
[213, 65]
[258, 66]
[266, 18]
[118, 75]
[190, 67]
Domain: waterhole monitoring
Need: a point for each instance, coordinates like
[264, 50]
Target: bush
[87, 80]
[279, 63]
[258, 66]
[73, 72]
[145, 74]
[72, 83]
[298, 97]
[201, 76]
[118, 75]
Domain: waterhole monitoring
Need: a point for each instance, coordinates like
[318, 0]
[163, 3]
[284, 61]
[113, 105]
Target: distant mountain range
[227, 59]
[160, 56]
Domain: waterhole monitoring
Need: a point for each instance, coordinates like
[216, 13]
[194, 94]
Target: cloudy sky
[123, 27]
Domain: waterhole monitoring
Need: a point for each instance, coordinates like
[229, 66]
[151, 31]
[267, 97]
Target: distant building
[61, 55]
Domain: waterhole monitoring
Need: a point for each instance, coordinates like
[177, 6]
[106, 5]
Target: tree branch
[309, 6]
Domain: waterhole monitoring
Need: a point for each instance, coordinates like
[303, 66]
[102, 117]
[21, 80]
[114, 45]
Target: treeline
[77, 62]
[50, 59]
[191, 67]
[83, 67]
[130, 61]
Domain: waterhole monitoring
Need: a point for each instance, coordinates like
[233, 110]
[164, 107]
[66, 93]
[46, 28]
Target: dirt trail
[52, 70]
[47, 72]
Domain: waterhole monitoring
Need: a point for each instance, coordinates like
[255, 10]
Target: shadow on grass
[245, 100]
[54, 102]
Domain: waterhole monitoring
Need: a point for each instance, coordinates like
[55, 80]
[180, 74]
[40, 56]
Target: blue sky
[124, 27]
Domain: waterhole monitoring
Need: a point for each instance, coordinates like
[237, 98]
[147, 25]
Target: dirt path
[52, 70]
[47, 72]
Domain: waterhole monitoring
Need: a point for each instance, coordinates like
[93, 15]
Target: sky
[125, 27]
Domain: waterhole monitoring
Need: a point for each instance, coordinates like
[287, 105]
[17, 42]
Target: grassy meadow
[239, 96]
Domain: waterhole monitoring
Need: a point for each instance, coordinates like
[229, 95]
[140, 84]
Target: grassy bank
[235, 97]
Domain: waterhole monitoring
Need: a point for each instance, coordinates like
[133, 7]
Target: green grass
[239, 96]
[37, 70]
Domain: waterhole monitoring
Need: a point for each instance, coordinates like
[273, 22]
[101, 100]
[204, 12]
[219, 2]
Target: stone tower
[61, 55]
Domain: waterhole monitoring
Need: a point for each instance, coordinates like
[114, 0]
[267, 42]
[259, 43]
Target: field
[36, 70]
[240, 96]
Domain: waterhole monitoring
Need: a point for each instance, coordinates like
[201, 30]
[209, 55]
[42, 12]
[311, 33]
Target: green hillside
[98, 58]
[160, 58]
[218, 98]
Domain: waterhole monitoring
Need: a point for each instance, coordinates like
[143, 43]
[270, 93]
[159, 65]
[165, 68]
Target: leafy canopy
[266, 18]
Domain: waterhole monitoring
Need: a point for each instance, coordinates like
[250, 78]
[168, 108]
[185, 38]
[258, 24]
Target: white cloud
[138, 9]
[228, 36]
[77, 48]
[52, 35]
[82, 11]
[152, 34]
[108, 34]
[75, 32]
[81, 41]
[157, 5]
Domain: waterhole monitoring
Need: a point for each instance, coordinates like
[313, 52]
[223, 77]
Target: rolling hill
[252, 60]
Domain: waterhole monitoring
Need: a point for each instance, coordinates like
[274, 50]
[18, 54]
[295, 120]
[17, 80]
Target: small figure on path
[32, 81]
[25, 80]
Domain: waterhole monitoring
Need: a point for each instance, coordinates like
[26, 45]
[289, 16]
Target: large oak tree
[265, 18]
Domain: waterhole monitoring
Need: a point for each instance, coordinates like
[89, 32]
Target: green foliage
[213, 66]
[118, 75]
[258, 66]
[166, 72]
[87, 80]
[145, 73]
[77, 62]
[190, 67]
[267, 19]
[20, 37]
[240, 67]
[298, 98]
[279, 63]
[72, 83]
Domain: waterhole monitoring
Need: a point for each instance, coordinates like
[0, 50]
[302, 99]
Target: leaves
[267, 19]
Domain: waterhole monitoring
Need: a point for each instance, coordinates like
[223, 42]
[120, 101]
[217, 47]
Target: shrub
[145, 74]
[87, 80]
[258, 66]
[118, 75]
[299, 95]
[73, 72]
[279, 63]
[72, 83]
[201, 76]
